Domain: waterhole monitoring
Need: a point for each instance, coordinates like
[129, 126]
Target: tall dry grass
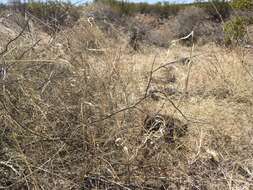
[73, 111]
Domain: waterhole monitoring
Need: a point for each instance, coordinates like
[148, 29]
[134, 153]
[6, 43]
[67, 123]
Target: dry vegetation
[82, 110]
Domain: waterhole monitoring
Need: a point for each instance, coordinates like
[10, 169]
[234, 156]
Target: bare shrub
[188, 19]
[197, 20]
[160, 36]
[52, 13]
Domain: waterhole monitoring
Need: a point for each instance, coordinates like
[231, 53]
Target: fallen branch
[182, 60]
[6, 164]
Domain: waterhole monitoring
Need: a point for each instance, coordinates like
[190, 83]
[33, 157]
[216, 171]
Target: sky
[154, 1]
[147, 1]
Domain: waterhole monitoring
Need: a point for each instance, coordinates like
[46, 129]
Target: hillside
[119, 102]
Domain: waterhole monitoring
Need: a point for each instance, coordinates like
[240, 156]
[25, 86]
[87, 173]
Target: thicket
[127, 8]
[216, 9]
[53, 13]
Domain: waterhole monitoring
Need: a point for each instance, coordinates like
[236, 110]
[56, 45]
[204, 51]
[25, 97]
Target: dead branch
[38, 168]
[182, 60]
[27, 50]
[174, 105]
[150, 76]
[43, 88]
[14, 39]
[39, 20]
[6, 164]
[108, 182]
[17, 123]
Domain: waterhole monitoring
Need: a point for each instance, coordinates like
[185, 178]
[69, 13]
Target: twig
[90, 20]
[199, 147]
[119, 111]
[14, 39]
[214, 6]
[31, 61]
[57, 175]
[150, 76]
[183, 38]
[96, 50]
[22, 55]
[248, 46]
[47, 83]
[17, 123]
[174, 105]
[9, 166]
[174, 62]
[189, 65]
[39, 20]
[37, 168]
[102, 179]
[3, 73]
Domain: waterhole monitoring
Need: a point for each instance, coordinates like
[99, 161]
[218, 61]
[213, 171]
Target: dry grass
[72, 115]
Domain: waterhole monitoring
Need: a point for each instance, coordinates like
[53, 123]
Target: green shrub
[235, 31]
[242, 4]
